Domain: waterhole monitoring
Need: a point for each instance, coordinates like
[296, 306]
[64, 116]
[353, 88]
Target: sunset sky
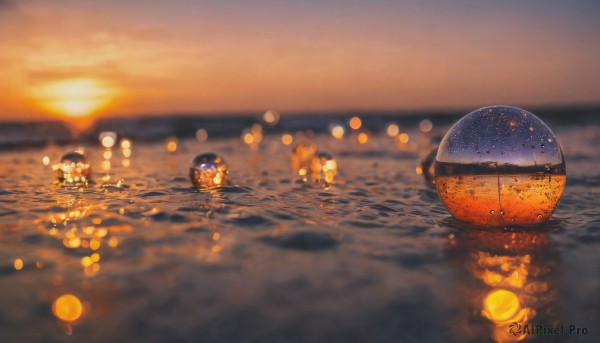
[117, 57]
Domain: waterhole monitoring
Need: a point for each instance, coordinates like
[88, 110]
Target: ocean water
[374, 257]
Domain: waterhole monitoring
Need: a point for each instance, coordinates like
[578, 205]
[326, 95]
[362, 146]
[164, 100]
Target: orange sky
[130, 57]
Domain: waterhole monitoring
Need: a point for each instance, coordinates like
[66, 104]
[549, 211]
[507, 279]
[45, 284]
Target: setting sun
[74, 97]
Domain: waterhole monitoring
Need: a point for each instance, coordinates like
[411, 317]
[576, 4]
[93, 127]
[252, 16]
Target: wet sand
[270, 258]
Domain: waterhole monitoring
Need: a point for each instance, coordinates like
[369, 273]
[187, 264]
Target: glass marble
[323, 168]
[500, 166]
[73, 168]
[208, 170]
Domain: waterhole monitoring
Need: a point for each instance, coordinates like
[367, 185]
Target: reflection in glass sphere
[208, 170]
[302, 156]
[323, 168]
[73, 168]
[513, 275]
[500, 166]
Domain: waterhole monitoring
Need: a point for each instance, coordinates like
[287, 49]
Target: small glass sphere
[302, 156]
[73, 168]
[323, 168]
[208, 170]
[500, 166]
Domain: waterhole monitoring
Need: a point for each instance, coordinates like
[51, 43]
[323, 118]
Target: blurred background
[81, 62]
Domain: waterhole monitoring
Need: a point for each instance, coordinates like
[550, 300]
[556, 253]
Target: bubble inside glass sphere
[323, 168]
[208, 170]
[500, 166]
[73, 168]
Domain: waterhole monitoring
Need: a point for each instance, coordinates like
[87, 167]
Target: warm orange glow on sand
[74, 97]
[528, 199]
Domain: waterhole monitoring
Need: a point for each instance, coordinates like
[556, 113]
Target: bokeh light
[108, 139]
[172, 144]
[67, 307]
[201, 135]
[392, 130]
[271, 117]
[18, 264]
[257, 133]
[425, 125]
[355, 123]
[362, 138]
[287, 139]
[125, 143]
[323, 168]
[253, 136]
[247, 138]
[337, 132]
[302, 156]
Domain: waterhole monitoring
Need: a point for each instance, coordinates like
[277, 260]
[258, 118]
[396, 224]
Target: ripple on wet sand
[302, 240]
[252, 221]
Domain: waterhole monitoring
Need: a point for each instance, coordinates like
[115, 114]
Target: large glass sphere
[73, 168]
[500, 166]
[208, 170]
